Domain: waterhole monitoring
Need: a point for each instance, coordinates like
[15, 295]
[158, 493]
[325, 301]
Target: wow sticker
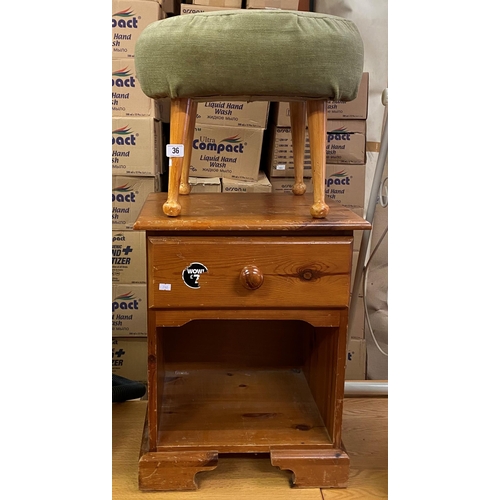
[191, 274]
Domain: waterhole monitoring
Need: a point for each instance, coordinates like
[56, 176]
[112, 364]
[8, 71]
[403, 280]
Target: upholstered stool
[304, 58]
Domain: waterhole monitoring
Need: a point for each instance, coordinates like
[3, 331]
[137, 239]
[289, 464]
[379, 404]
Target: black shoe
[125, 389]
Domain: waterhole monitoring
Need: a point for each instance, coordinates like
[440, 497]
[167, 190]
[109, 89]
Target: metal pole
[365, 388]
[370, 211]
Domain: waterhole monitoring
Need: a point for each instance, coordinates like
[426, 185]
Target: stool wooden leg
[184, 187]
[316, 118]
[179, 117]
[298, 122]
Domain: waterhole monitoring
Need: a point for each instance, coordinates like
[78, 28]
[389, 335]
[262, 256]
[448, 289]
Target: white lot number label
[175, 150]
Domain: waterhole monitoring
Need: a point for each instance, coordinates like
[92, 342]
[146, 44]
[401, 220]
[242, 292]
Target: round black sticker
[191, 274]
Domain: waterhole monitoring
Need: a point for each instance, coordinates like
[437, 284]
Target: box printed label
[128, 197]
[345, 184]
[129, 306]
[130, 358]
[128, 21]
[346, 143]
[129, 257]
[233, 114]
[220, 152]
[262, 185]
[127, 97]
[136, 146]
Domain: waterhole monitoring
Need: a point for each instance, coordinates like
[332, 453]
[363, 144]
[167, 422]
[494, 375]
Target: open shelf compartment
[239, 411]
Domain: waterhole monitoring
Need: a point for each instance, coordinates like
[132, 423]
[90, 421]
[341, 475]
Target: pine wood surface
[296, 272]
[235, 411]
[252, 477]
[251, 212]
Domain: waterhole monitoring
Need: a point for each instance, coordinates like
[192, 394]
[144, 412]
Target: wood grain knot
[303, 427]
[308, 274]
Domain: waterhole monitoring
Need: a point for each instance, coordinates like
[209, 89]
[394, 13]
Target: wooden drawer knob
[251, 277]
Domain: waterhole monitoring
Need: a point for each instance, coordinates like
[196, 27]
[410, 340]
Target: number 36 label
[175, 150]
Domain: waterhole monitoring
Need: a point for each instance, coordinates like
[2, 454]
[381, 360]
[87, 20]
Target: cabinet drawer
[244, 272]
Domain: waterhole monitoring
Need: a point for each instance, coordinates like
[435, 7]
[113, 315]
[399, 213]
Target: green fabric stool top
[272, 54]
[305, 58]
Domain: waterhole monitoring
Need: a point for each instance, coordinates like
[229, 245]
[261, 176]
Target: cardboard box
[280, 159]
[261, 185]
[355, 258]
[129, 195]
[164, 109]
[356, 109]
[130, 358]
[130, 306]
[137, 146]
[345, 184]
[171, 7]
[129, 19]
[358, 235]
[129, 257]
[345, 144]
[233, 113]
[229, 152]
[346, 141]
[285, 184]
[358, 320]
[205, 184]
[356, 359]
[195, 9]
[127, 97]
[233, 4]
[273, 4]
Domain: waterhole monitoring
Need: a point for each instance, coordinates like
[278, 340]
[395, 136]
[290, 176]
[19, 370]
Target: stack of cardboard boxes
[228, 135]
[209, 5]
[344, 177]
[229, 154]
[136, 164]
[253, 4]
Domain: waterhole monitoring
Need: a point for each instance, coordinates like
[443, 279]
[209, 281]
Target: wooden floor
[252, 477]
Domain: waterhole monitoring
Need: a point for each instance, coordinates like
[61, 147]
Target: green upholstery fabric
[250, 53]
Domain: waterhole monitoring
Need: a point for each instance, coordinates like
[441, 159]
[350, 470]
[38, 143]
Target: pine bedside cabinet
[247, 328]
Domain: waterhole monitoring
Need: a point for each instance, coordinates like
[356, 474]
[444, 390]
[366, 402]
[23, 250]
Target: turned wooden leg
[298, 121]
[179, 117]
[184, 187]
[316, 119]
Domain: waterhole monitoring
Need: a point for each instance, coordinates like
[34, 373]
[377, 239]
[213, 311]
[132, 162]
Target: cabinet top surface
[248, 212]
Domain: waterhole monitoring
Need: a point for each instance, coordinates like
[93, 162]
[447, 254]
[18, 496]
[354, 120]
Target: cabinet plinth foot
[174, 470]
[314, 468]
